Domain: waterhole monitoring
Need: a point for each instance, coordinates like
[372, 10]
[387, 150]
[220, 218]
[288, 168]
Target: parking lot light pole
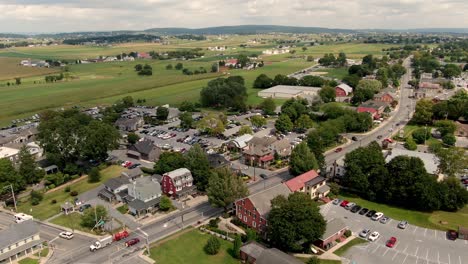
[13, 195]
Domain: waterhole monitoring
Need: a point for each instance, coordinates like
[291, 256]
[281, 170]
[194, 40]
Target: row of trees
[403, 181]
[145, 70]
[264, 81]
[329, 59]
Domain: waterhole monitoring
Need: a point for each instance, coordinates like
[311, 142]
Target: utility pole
[425, 135]
[13, 195]
[147, 240]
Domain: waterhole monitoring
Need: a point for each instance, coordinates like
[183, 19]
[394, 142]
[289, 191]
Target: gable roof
[217, 160]
[348, 89]
[260, 146]
[144, 146]
[262, 200]
[299, 182]
[334, 226]
[374, 104]
[146, 186]
[114, 183]
[17, 232]
[132, 173]
[177, 173]
[265, 255]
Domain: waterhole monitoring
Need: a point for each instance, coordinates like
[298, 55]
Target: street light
[147, 240]
[13, 194]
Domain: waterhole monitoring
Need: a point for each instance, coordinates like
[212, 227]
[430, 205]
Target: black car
[263, 176]
[354, 138]
[452, 235]
[355, 209]
[363, 211]
[371, 213]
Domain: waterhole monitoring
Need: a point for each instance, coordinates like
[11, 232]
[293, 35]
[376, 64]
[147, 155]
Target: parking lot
[415, 245]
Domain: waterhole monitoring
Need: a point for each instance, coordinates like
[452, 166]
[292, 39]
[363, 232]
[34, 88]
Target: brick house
[178, 183]
[343, 90]
[255, 253]
[334, 230]
[310, 183]
[374, 108]
[385, 96]
[253, 210]
[261, 151]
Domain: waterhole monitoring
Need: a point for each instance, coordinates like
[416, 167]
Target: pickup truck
[101, 243]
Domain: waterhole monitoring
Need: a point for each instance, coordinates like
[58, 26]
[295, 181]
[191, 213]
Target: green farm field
[10, 68]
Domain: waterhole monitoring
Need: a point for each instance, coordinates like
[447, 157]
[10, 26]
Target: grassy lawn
[71, 221]
[422, 219]
[123, 209]
[354, 242]
[338, 73]
[48, 209]
[28, 261]
[188, 248]
[322, 261]
[10, 68]
[43, 253]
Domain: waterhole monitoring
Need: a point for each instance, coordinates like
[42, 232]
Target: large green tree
[268, 106]
[90, 215]
[212, 123]
[224, 93]
[197, 162]
[423, 112]
[186, 120]
[169, 161]
[224, 188]
[263, 81]
[327, 94]
[284, 124]
[302, 160]
[258, 121]
[453, 160]
[162, 113]
[294, 219]
[27, 167]
[8, 175]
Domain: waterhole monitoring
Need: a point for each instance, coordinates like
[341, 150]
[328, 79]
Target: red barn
[178, 183]
[373, 112]
[343, 90]
[253, 210]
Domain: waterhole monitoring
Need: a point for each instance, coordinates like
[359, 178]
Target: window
[254, 224]
[245, 218]
[240, 216]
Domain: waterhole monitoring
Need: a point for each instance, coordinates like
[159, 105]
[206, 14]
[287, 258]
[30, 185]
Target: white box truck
[101, 243]
[19, 218]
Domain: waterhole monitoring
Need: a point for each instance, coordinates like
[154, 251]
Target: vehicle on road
[121, 235]
[374, 236]
[452, 235]
[355, 209]
[66, 234]
[354, 138]
[371, 213]
[20, 217]
[391, 242]
[363, 211]
[126, 164]
[133, 166]
[263, 176]
[377, 216]
[344, 203]
[338, 150]
[349, 206]
[132, 242]
[336, 201]
[364, 233]
[403, 224]
[384, 220]
[101, 243]
[379, 136]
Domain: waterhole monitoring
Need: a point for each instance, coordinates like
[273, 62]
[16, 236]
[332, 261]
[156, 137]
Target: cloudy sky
[94, 15]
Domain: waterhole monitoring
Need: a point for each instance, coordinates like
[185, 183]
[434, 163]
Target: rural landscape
[249, 143]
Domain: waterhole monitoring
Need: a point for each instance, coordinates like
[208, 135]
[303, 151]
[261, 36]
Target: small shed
[67, 208]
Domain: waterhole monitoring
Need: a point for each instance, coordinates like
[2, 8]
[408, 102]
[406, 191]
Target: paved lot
[415, 245]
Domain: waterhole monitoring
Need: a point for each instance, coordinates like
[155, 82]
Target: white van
[19, 218]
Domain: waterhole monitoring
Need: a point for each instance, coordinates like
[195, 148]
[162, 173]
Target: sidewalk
[330, 255]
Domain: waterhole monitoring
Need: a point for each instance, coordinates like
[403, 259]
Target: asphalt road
[415, 245]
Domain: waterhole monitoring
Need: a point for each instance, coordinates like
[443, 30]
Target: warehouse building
[287, 91]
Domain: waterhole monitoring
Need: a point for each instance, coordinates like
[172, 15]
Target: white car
[377, 216]
[374, 236]
[66, 235]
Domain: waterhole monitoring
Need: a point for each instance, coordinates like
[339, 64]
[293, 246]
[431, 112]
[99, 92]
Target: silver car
[403, 224]
[364, 233]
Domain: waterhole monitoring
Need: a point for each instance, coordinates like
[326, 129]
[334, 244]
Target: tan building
[19, 240]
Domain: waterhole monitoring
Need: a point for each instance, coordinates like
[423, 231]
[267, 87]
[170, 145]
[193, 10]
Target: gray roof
[127, 121]
[323, 189]
[132, 173]
[334, 226]
[145, 186]
[431, 161]
[144, 146]
[217, 160]
[17, 232]
[262, 200]
[268, 255]
[114, 183]
[374, 104]
[139, 205]
[315, 181]
[177, 173]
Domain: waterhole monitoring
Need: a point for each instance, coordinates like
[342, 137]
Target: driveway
[415, 245]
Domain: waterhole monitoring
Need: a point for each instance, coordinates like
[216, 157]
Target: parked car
[338, 150]
[337, 201]
[354, 138]
[452, 235]
[384, 220]
[374, 236]
[363, 211]
[132, 242]
[84, 207]
[391, 242]
[364, 233]
[126, 163]
[379, 136]
[377, 216]
[263, 176]
[133, 166]
[403, 224]
[66, 234]
[344, 203]
[355, 209]
[371, 213]
[349, 206]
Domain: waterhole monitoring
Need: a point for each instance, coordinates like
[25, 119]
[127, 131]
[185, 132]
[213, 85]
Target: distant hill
[421, 30]
[247, 29]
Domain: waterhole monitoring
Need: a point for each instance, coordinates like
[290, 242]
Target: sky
[101, 15]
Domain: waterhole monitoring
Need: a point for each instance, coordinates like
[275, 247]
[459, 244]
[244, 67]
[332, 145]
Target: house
[261, 150]
[429, 85]
[115, 189]
[178, 183]
[343, 90]
[144, 195]
[9, 153]
[334, 230]
[129, 124]
[309, 182]
[255, 253]
[431, 161]
[132, 174]
[217, 161]
[386, 95]
[230, 63]
[375, 108]
[254, 209]
[144, 55]
[145, 150]
[336, 169]
[18, 240]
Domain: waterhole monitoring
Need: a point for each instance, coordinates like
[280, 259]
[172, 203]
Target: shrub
[94, 175]
[212, 246]
[421, 134]
[67, 189]
[36, 197]
[51, 186]
[449, 139]
[73, 193]
[53, 201]
[410, 144]
[214, 222]
[313, 260]
[337, 240]
[165, 204]
[347, 233]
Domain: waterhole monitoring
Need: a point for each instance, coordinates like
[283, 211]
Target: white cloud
[92, 15]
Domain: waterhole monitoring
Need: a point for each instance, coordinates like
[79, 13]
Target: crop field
[10, 68]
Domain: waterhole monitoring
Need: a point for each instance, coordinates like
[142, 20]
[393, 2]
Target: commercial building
[287, 91]
[19, 240]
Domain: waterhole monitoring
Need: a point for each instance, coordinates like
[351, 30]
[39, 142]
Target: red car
[132, 242]
[338, 150]
[391, 242]
[344, 203]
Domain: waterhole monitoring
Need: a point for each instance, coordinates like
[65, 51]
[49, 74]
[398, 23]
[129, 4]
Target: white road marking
[404, 251]
[416, 253]
[438, 257]
[435, 233]
[427, 255]
[404, 259]
[425, 231]
[459, 259]
[449, 258]
[416, 228]
[396, 253]
[53, 239]
[386, 251]
[375, 249]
